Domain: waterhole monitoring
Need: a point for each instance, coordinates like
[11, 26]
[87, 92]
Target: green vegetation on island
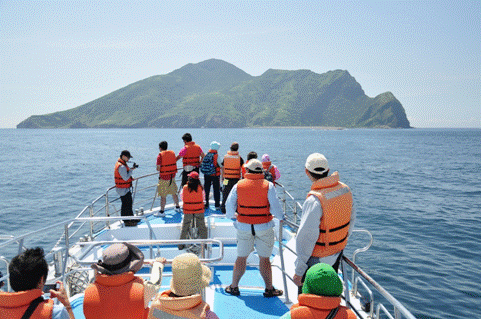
[215, 94]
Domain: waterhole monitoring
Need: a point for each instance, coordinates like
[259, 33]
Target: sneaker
[177, 209]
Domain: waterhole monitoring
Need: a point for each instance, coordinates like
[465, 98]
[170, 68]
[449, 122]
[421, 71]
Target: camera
[135, 165]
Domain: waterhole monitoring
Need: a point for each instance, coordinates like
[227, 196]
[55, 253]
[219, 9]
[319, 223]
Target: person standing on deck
[230, 172]
[327, 219]
[251, 155]
[256, 202]
[123, 184]
[193, 207]
[270, 168]
[167, 167]
[211, 164]
[191, 155]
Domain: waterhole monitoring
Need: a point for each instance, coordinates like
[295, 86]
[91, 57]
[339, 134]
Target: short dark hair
[319, 176]
[251, 155]
[27, 269]
[234, 147]
[163, 145]
[187, 137]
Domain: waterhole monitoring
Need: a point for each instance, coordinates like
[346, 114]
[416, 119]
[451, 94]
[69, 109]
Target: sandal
[273, 292]
[234, 291]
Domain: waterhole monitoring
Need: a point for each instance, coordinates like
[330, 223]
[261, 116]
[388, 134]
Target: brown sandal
[234, 291]
[273, 292]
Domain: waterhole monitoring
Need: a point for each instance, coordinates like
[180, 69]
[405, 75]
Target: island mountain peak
[215, 93]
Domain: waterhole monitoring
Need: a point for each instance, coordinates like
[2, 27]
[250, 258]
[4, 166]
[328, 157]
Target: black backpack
[207, 166]
[268, 176]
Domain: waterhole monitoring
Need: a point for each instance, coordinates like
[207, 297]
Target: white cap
[317, 163]
[254, 165]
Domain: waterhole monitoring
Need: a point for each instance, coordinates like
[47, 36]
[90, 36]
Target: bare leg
[176, 200]
[239, 270]
[266, 271]
[162, 203]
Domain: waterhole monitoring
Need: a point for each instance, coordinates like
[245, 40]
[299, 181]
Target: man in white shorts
[256, 203]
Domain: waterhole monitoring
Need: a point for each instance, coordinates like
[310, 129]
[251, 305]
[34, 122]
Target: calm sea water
[418, 191]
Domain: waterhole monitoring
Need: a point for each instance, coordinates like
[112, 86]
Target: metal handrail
[398, 307]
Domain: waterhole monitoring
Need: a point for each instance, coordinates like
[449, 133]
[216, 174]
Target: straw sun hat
[189, 276]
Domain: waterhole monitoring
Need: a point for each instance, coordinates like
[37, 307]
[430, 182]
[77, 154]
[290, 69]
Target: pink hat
[194, 175]
[266, 158]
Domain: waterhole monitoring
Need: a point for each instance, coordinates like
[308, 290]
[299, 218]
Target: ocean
[418, 191]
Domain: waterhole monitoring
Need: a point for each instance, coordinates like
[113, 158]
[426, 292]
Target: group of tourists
[249, 199]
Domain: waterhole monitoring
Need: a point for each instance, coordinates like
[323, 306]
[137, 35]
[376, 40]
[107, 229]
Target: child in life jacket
[193, 207]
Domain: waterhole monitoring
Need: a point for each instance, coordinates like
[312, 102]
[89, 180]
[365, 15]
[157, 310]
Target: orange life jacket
[336, 202]
[192, 154]
[191, 307]
[252, 201]
[232, 165]
[168, 165]
[14, 304]
[115, 297]
[313, 307]
[268, 166]
[119, 181]
[193, 202]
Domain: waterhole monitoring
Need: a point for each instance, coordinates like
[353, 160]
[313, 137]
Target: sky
[57, 55]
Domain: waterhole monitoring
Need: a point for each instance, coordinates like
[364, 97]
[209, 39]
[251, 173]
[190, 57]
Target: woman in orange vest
[28, 272]
[184, 299]
[321, 296]
[267, 166]
[117, 293]
[193, 207]
[167, 167]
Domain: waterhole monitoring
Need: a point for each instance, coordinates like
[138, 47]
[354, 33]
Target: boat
[99, 224]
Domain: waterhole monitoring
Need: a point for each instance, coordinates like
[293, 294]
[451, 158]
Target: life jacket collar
[20, 298]
[114, 280]
[328, 181]
[319, 302]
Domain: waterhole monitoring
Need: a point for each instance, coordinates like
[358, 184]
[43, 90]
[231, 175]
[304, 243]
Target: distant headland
[217, 94]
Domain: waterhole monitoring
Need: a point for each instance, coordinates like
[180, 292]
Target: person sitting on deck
[321, 296]
[184, 300]
[117, 293]
[28, 272]
[193, 207]
[255, 201]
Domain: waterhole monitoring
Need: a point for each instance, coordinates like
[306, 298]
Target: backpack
[268, 175]
[207, 166]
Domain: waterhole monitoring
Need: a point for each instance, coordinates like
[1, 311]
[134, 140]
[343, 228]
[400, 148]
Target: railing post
[283, 269]
[91, 213]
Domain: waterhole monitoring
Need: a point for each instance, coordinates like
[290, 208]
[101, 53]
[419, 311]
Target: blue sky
[56, 55]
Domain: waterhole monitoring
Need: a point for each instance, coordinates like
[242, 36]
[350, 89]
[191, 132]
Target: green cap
[322, 280]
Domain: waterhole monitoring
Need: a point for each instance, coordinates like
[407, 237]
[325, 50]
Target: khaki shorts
[166, 187]
[263, 241]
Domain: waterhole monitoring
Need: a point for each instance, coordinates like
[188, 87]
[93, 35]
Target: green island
[217, 94]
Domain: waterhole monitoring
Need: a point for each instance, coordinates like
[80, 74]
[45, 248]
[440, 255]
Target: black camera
[135, 165]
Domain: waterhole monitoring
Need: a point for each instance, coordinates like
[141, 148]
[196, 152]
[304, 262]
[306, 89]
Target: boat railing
[358, 277]
[290, 205]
